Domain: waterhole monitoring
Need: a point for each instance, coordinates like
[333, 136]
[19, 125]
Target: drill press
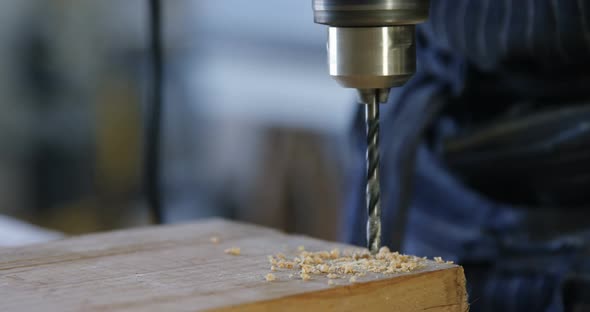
[371, 48]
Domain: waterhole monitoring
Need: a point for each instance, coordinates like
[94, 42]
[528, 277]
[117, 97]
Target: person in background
[485, 152]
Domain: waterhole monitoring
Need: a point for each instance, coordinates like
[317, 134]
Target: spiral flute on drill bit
[373, 187]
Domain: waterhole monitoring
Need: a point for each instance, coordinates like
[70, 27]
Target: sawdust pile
[349, 264]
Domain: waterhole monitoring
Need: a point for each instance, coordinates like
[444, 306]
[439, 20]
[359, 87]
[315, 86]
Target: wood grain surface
[178, 268]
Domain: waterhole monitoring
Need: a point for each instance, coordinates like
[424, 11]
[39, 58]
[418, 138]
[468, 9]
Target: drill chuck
[369, 58]
[371, 43]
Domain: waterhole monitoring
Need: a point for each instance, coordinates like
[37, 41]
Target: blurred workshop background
[254, 128]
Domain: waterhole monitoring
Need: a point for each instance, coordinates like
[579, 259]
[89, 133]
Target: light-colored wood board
[178, 268]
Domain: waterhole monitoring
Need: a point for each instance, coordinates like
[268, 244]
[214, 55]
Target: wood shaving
[285, 264]
[234, 251]
[352, 279]
[270, 277]
[305, 276]
[272, 260]
[214, 239]
[440, 260]
[331, 282]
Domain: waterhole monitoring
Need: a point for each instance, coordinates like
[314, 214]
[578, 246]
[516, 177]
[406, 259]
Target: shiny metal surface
[372, 57]
[373, 195]
[363, 13]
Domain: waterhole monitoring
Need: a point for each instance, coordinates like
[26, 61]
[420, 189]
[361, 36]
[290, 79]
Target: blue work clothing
[482, 57]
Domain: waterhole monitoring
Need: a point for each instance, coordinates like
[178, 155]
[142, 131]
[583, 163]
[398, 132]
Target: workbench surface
[183, 268]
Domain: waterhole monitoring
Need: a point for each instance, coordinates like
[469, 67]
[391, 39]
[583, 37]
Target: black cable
[154, 115]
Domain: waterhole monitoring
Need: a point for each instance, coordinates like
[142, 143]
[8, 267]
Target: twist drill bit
[373, 187]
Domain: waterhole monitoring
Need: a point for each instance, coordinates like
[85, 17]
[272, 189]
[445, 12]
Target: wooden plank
[178, 268]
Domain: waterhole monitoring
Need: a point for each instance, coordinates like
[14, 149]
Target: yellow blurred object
[118, 146]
